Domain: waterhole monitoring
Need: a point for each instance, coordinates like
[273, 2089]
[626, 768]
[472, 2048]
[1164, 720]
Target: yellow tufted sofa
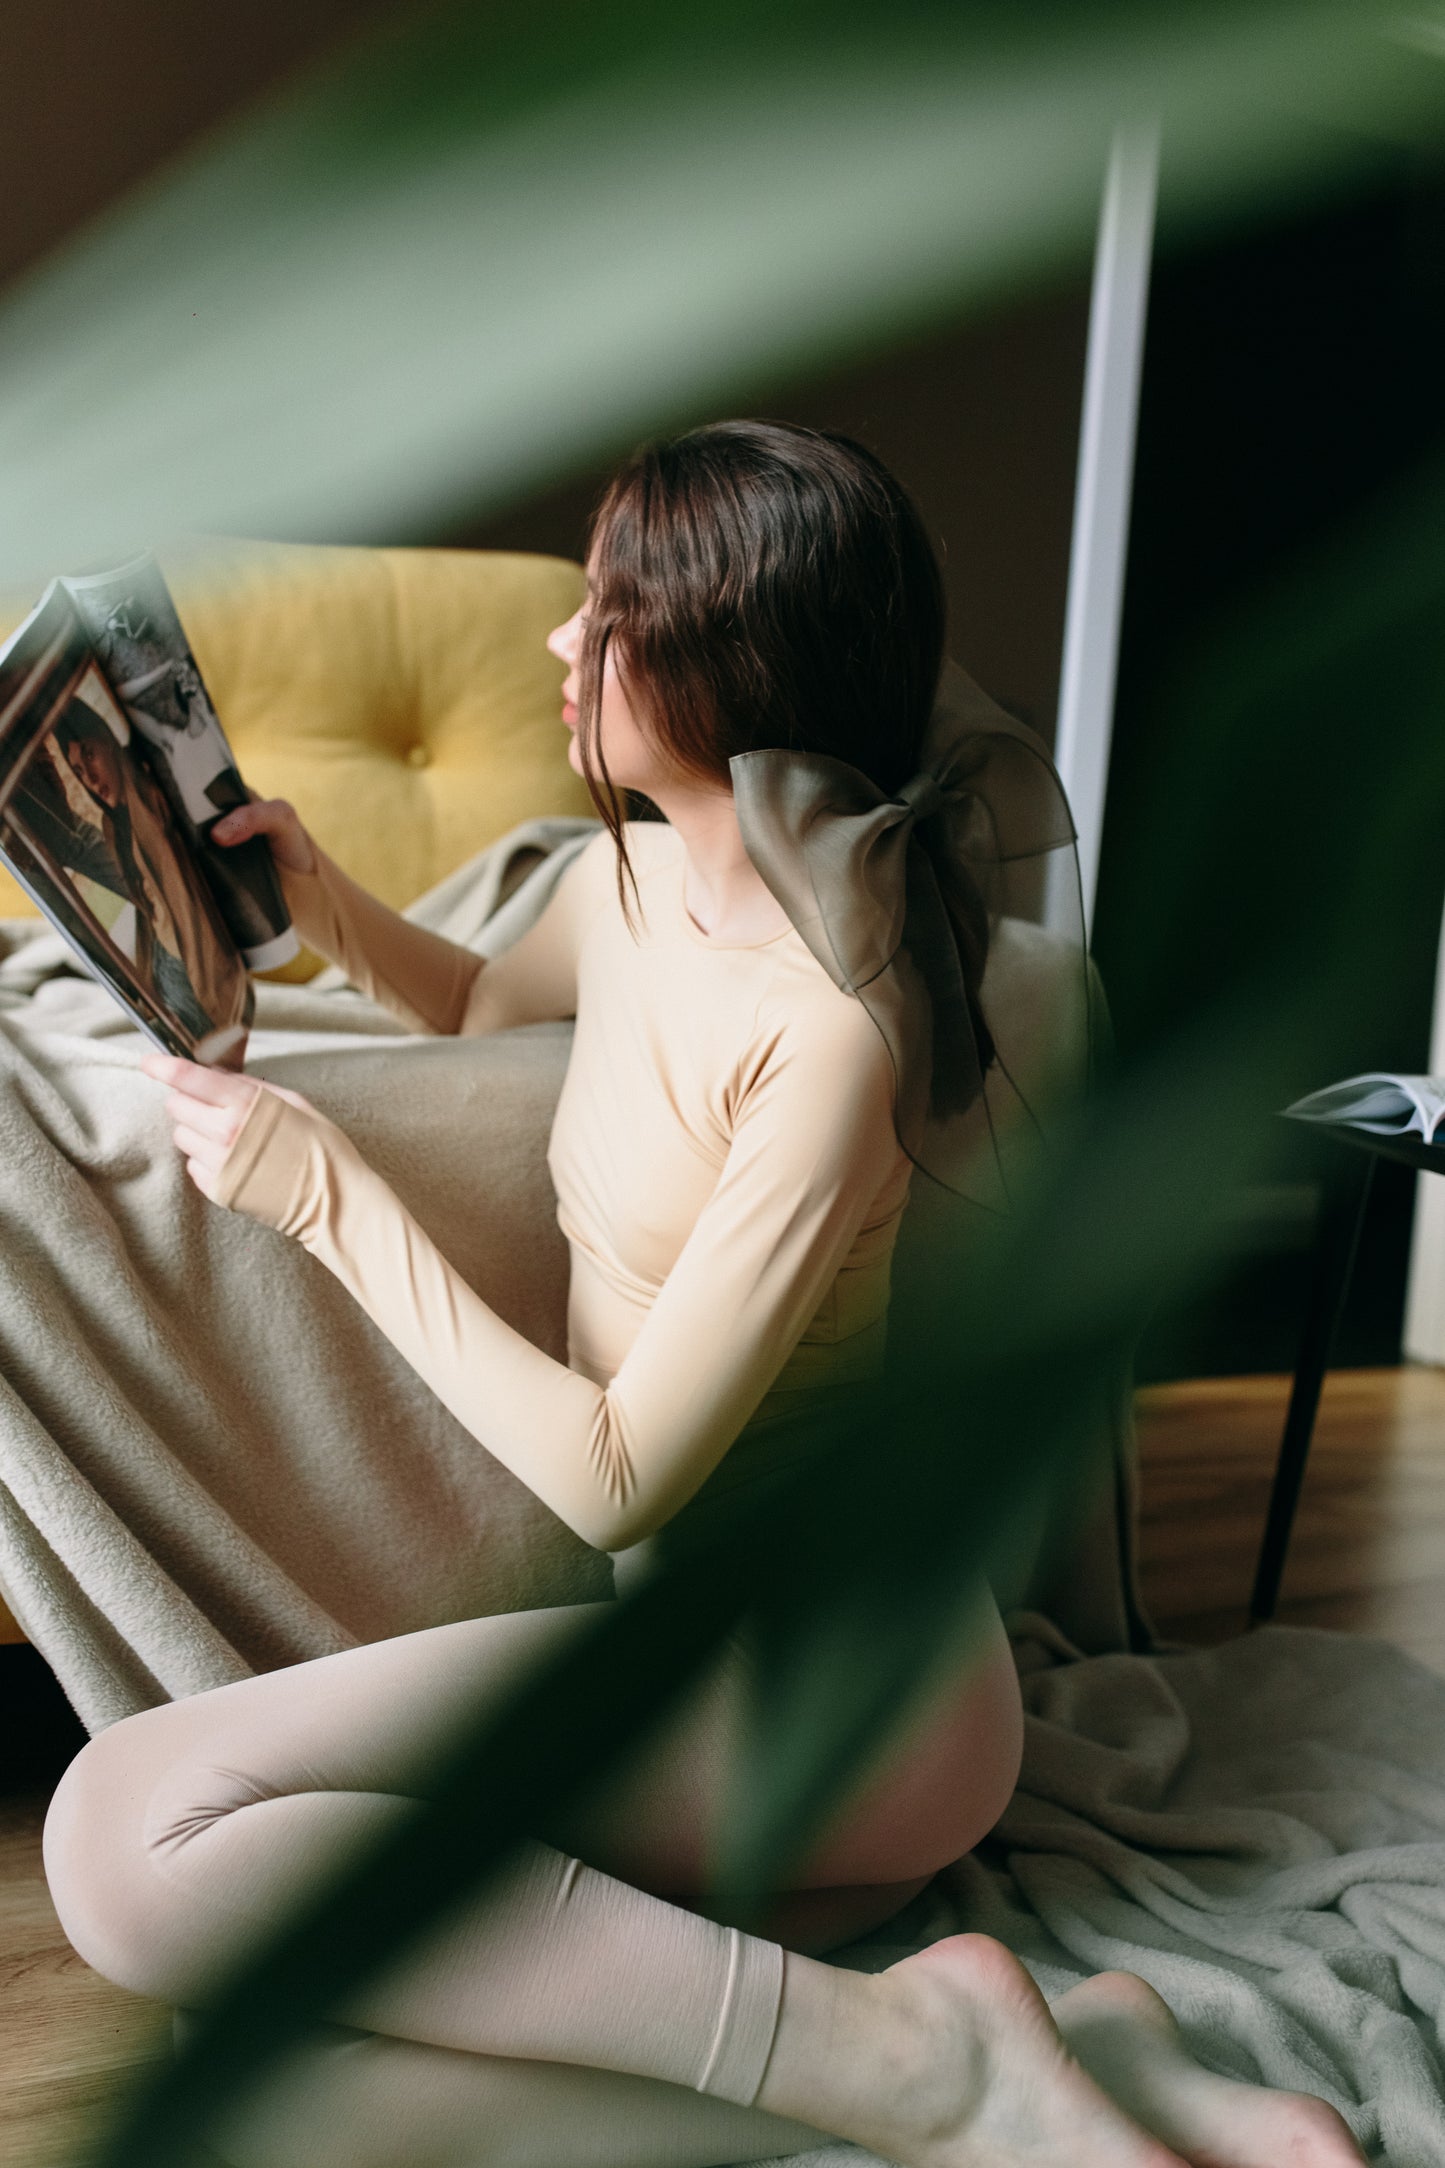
[403, 700]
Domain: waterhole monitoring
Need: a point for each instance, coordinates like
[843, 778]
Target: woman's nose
[565, 641]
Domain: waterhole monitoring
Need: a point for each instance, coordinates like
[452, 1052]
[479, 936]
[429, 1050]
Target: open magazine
[1387, 1106]
[113, 771]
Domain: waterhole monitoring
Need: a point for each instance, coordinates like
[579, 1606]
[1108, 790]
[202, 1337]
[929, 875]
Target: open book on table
[1386, 1106]
[113, 771]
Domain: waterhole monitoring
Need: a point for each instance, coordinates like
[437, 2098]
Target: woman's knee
[106, 1879]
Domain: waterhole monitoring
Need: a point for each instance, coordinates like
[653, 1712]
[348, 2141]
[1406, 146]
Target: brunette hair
[763, 585]
[80, 725]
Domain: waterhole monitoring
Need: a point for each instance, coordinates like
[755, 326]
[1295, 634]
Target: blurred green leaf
[492, 245]
[495, 244]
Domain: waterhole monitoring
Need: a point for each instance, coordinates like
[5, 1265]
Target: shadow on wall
[980, 420]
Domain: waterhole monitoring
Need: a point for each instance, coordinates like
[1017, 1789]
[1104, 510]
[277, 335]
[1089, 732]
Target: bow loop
[906, 928]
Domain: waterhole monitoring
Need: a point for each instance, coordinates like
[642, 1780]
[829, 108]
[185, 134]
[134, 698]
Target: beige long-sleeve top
[727, 1174]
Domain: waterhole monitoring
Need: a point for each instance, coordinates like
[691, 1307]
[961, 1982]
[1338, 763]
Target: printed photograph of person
[165, 699]
[168, 924]
[142, 647]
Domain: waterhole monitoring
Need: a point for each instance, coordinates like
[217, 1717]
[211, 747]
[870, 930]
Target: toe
[1120, 1995]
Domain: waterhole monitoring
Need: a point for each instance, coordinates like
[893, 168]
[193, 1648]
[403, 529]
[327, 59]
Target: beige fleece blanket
[1258, 1830]
[210, 1461]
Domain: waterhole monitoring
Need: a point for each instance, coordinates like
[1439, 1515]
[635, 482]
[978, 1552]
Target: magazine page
[89, 832]
[142, 648]
[1384, 1104]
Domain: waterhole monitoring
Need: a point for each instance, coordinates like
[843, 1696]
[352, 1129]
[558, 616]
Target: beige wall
[102, 92]
[980, 420]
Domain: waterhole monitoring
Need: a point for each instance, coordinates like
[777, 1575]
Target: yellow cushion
[403, 700]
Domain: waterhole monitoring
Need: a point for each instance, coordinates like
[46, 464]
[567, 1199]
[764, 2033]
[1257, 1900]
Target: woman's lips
[569, 714]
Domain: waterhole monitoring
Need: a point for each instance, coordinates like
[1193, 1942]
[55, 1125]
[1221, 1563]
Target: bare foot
[947, 2060]
[1126, 2037]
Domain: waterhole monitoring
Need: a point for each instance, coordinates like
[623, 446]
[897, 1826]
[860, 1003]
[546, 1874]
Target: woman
[730, 1177]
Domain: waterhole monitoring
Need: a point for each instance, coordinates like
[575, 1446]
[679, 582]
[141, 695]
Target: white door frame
[1108, 431]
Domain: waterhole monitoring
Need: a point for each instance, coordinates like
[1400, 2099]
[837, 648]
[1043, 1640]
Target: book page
[1384, 1104]
[91, 834]
[142, 647]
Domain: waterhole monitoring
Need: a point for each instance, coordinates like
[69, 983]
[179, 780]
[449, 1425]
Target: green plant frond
[405, 289]
[481, 254]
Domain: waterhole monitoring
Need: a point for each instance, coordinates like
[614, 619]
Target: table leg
[1347, 1192]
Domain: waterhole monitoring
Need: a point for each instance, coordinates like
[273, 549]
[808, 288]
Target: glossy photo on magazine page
[89, 832]
[141, 645]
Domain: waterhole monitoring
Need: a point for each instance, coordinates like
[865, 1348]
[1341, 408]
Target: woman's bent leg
[948, 2061]
[184, 1833]
[353, 2100]
[181, 1834]
[232, 1801]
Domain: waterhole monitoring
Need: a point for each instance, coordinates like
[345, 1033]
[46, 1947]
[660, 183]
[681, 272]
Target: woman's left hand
[207, 1107]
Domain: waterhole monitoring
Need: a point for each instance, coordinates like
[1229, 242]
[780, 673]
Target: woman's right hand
[279, 823]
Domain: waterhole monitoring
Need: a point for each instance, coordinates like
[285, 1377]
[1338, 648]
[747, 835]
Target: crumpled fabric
[1258, 1830]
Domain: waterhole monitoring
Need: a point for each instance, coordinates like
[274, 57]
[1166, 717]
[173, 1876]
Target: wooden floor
[65, 2034]
[1368, 1552]
[1368, 1555]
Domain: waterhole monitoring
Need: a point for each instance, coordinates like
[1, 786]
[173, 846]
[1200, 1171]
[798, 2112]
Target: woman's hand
[207, 1107]
[279, 823]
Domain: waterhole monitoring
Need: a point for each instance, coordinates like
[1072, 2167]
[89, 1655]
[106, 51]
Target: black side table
[1347, 1192]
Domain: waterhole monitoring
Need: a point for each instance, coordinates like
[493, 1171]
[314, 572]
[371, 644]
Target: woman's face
[96, 763]
[633, 758]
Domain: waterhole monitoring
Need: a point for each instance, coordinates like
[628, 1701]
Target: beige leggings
[571, 2017]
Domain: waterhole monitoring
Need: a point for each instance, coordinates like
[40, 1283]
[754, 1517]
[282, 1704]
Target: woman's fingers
[279, 822]
[220, 1106]
[203, 1178]
[257, 819]
[218, 1087]
[200, 1149]
[222, 1123]
[207, 1108]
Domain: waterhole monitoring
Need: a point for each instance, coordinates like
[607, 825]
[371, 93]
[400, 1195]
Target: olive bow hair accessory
[902, 899]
